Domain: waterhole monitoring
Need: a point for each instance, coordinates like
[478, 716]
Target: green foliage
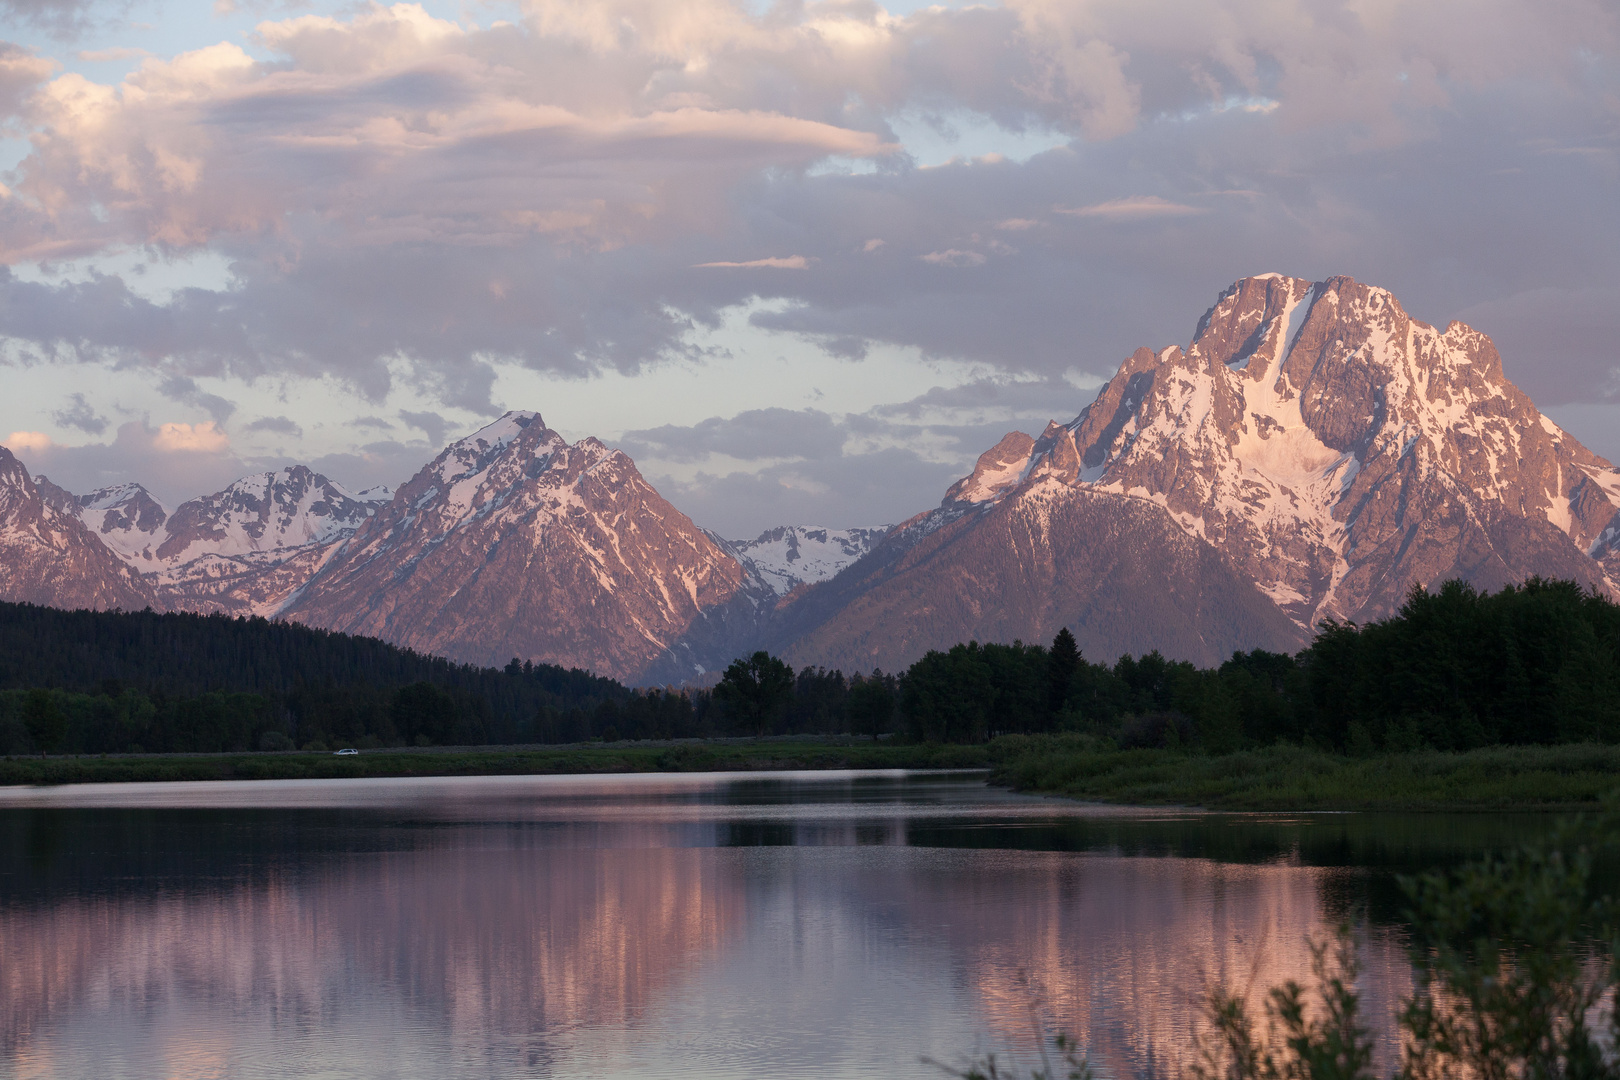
[871, 704]
[1287, 777]
[1509, 970]
[755, 690]
[1328, 1042]
[975, 691]
[46, 725]
[1537, 663]
[1062, 661]
[693, 756]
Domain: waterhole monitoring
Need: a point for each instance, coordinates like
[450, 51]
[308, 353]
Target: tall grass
[1294, 778]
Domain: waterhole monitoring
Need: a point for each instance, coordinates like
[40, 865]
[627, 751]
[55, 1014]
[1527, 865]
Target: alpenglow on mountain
[1310, 454]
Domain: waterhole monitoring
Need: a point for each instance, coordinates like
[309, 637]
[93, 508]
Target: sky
[803, 261]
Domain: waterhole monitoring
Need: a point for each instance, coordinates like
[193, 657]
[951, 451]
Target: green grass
[496, 761]
[1291, 778]
[1276, 778]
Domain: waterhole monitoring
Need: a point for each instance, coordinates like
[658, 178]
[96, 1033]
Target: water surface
[715, 925]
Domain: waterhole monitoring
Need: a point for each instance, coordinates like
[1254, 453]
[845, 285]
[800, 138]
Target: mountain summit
[514, 542]
[1310, 454]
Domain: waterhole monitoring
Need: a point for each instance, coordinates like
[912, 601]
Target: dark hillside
[152, 681]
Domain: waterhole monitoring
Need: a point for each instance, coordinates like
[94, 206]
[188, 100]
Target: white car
[346, 751]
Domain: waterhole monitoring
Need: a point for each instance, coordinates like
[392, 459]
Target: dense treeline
[1453, 670]
[105, 682]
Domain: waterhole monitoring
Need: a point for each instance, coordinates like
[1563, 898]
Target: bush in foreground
[1515, 965]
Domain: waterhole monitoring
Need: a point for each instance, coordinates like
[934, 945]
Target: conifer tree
[1061, 664]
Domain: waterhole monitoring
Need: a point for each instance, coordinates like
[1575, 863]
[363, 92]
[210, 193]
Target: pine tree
[1061, 664]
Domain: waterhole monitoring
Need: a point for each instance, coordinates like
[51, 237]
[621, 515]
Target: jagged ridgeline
[131, 681]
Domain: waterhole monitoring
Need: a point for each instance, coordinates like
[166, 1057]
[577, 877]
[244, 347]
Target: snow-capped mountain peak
[127, 518]
[514, 542]
[792, 555]
[1300, 432]
[288, 508]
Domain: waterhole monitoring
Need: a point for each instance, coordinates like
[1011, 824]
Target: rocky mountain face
[1338, 450]
[514, 542]
[1015, 555]
[243, 550]
[1311, 453]
[1313, 444]
[48, 556]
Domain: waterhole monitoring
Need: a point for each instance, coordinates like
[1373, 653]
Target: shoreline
[1291, 779]
[1276, 779]
[673, 756]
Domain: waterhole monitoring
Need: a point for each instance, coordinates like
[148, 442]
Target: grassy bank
[494, 761]
[1290, 778]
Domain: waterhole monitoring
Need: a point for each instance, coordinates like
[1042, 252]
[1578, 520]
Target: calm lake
[719, 925]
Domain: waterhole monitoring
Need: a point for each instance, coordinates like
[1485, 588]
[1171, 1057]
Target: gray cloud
[430, 424]
[184, 390]
[1559, 344]
[65, 20]
[879, 488]
[402, 199]
[755, 435]
[79, 413]
[281, 425]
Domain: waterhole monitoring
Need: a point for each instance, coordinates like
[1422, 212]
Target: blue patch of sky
[938, 138]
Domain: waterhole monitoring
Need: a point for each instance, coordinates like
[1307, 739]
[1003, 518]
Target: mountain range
[1311, 453]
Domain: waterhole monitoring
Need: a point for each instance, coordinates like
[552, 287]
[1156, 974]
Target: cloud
[953, 257]
[281, 425]
[430, 424]
[21, 75]
[754, 435]
[1132, 208]
[789, 262]
[174, 460]
[1558, 344]
[879, 488]
[22, 442]
[187, 392]
[407, 201]
[78, 413]
[203, 438]
[64, 20]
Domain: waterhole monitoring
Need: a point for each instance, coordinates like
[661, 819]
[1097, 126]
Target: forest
[1454, 669]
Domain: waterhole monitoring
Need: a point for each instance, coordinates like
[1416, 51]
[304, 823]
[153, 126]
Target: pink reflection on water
[606, 941]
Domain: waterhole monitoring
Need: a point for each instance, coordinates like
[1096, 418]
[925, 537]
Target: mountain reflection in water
[793, 925]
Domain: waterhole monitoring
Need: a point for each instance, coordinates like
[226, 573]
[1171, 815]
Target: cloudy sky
[803, 261]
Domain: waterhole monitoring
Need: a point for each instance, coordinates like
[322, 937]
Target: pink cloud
[789, 262]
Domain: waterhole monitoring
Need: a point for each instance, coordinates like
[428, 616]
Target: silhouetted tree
[754, 690]
[871, 704]
[1061, 663]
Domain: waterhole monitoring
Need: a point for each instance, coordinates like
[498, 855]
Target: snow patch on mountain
[128, 520]
[792, 555]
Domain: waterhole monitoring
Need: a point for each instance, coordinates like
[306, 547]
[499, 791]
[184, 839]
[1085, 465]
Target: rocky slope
[1313, 442]
[513, 542]
[48, 556]
[243, 550]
